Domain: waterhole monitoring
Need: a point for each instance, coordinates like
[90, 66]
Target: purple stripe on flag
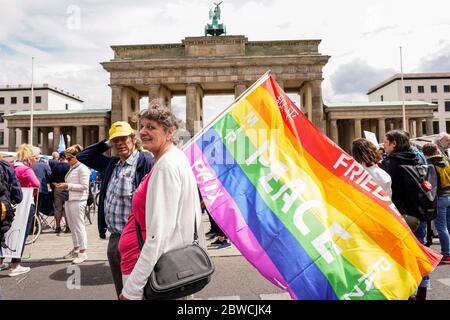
[223, 208]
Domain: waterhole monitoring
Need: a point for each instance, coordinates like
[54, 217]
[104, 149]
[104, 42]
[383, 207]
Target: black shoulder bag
[178, 273]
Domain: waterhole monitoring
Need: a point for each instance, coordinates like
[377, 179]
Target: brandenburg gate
[215, 65]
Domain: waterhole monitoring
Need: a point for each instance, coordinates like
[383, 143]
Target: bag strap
[139, 234]
[141, 241]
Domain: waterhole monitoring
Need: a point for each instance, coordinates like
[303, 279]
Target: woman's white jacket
[172, 204]
[78, 180]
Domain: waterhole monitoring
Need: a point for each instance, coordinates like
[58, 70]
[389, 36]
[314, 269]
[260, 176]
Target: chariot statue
[215, 28]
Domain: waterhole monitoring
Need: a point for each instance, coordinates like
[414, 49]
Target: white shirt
[78, 182]
[382, 178]
[172, 203]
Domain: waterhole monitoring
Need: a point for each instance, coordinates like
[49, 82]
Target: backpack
[90, 199]
[420, 184]
[444, 175]
[7, 210]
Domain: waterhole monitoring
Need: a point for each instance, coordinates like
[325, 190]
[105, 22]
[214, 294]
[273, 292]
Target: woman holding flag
[165, 205]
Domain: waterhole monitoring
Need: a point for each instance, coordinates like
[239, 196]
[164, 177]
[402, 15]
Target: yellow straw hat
[120, 129]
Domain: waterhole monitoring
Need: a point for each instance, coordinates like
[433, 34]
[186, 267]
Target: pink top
[128, 243]
[26, 176]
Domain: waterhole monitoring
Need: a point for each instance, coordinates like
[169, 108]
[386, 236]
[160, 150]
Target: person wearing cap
[121, 176]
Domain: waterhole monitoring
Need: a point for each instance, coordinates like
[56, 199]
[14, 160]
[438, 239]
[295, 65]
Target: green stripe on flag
[341, 274]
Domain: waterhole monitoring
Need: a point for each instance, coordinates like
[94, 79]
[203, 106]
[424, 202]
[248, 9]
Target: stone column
[35, 141]
[334, 131]
[92, 137]
[79, 135]
[239, 88]
[12, 140]
[45, 143]
[166, 95]
[158, 91]
[24, 135]
[373, 126]
[308, 101]
[410, 127]
[419, 131]
[317, 104]
[357, 123]
[56, 137]
[101, 133]
[194, 101]
[153, 92]
[381, 129]
[397, 123]
[429, 125]
[116, 104]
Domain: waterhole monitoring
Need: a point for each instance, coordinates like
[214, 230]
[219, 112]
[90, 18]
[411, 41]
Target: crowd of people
[166, 214]
[148, 183]
[388, 168]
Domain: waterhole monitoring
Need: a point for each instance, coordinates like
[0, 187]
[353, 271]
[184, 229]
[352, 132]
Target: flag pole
[403, 91]
[32, 100]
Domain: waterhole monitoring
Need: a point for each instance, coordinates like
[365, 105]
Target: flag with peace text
[301, 210]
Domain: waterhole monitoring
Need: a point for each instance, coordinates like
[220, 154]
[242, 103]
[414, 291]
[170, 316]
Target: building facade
[17, 98]
[348, 121]
[429, 87]
[200, 66]
[84, 127]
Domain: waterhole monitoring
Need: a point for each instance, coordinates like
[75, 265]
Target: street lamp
[32, 100]
[403, 91]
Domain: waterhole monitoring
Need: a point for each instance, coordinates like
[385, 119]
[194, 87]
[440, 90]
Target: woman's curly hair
[158, 112]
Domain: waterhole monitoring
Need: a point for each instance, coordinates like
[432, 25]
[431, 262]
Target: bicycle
[37, 229]
[41, 221]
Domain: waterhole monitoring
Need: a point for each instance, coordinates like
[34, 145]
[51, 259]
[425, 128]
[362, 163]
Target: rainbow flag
[301, 210]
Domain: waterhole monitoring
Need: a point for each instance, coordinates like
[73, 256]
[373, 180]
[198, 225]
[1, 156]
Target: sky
[69, 39]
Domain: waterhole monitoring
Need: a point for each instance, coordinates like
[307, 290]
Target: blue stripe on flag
[304, 277]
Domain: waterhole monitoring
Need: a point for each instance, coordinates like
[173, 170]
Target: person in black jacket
[59, 170]
[122, 174]
[45, 201]
[399, 152]
[11, 192]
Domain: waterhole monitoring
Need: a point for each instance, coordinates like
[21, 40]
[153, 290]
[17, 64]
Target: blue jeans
[442, 223]
[421, 234]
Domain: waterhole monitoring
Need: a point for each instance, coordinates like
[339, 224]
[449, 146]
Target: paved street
[54, 278]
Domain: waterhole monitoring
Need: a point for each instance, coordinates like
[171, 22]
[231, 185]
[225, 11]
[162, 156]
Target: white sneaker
[19, 270]
[82, 257]
[71, 255]
[4, 266]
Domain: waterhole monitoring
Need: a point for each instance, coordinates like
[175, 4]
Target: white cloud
[356, 77]
[438, 61]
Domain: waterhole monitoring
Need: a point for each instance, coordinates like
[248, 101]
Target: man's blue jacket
[94, 158]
